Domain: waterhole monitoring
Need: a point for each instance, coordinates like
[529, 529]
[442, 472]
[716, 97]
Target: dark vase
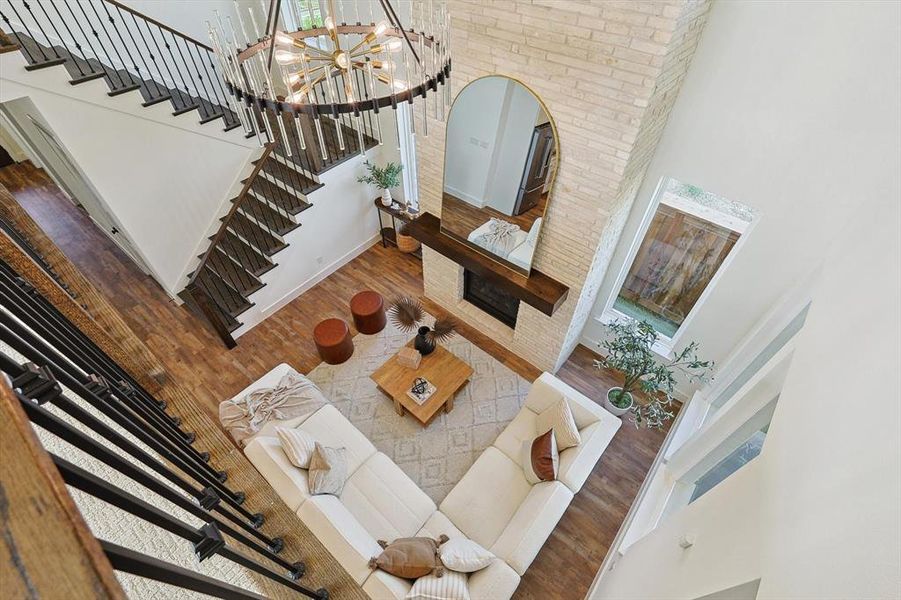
[423, 343]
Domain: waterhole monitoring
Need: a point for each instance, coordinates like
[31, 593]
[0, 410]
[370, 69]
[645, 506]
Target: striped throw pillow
[451, 586]
[559, 417]
[297, 445]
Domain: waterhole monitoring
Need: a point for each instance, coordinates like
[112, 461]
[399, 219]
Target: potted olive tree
[629, 351]
[384, 178]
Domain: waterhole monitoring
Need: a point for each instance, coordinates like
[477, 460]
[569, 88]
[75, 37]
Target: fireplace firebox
[490, 298]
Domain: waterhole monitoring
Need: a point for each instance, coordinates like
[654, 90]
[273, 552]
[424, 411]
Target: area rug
[437, 456]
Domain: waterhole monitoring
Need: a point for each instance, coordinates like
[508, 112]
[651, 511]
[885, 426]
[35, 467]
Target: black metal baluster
[72, 56]
[60, 428]
[173, 91]
[74, 39]
[113, 44]
[44, 33]
[28, 55]
[222, 103]
[103, 66]
[27, 30]
[187, 69]
[203, 84]
[138, 51]
[186, 88]
[87, 39]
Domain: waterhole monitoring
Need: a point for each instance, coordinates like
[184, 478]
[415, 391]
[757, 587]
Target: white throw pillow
[297, 445]
[559, 417]
[451, 586]
[464, 555]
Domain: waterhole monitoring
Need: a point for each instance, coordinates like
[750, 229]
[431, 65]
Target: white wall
[791, 108]
[163, 178]
[818, 513]
[190, 16]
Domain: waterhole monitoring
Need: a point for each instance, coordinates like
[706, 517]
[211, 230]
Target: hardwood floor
[195, 357]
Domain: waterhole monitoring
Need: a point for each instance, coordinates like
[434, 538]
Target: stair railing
[104, 413]
[130, 50]
[252, 223]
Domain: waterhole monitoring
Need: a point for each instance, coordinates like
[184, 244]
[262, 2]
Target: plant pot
[613, 408]
[386, 197]
[422, 342]
[406, 243]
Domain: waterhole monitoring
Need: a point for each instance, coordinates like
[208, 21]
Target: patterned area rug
[435, 457]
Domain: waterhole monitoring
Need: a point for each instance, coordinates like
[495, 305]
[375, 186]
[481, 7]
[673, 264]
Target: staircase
[131, 52]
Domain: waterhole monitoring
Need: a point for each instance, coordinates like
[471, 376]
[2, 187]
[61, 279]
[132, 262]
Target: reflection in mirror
[499, 165]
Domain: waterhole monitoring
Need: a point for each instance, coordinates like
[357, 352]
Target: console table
[394, 213]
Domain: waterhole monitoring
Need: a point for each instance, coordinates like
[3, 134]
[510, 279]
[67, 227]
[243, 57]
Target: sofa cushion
[385, 500]
[385, 586]
[487, 497]
[521, 429]
[437, 525]
[289, 482]
[341, 534]
[547, 389]
[535, 519]
[577, 463]
[330, 428]
[497, 581]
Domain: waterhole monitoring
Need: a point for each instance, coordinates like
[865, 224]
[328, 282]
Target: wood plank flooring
[195, 357]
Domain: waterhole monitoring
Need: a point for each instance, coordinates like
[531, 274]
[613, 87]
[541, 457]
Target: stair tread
[264, 188]
[260, 210]
[236, 275]
[245, 254]
[284, 173]
[224, 296]
[258, 237]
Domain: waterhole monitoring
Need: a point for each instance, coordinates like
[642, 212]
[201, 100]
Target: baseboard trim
[318, 277]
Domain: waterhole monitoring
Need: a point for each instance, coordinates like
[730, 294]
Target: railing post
[205, 304]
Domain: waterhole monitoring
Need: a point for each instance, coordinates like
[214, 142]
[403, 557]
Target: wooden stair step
[234, 274]
[291, 177]
[247, 255]
[255, 235]
[278, 195]
[223, 295]
[266, 215]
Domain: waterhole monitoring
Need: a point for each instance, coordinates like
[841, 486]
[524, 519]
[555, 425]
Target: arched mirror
[499, 164]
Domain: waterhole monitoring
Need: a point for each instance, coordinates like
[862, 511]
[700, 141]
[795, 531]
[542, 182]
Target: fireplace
[490, 298]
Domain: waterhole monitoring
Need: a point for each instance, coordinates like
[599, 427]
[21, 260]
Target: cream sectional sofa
[492, 504]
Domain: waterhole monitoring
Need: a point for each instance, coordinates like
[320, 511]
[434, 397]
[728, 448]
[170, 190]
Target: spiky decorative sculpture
[406, 313]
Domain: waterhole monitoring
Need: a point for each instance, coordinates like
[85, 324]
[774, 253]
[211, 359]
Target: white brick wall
[609, 73]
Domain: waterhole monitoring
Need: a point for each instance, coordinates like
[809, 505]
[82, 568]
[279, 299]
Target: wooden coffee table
[441, 368]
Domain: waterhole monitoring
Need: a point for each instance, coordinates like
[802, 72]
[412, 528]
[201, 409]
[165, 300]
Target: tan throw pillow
[410, 557]
[328, 470]
[297, 445]
[540, 458]
[453, 586]
[559, 417]
[464, 555]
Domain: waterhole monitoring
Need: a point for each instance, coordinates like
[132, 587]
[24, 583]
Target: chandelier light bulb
[380, 28]
[399, 85]
[394, 45]
[286, 57]
[329, 23]
[342, 60]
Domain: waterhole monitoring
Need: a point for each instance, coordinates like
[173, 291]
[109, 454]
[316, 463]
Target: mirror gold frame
[552, 177]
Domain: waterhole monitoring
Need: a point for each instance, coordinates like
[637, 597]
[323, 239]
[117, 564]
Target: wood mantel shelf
[537, 290]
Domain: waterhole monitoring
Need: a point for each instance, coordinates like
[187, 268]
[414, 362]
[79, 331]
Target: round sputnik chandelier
[353, 59]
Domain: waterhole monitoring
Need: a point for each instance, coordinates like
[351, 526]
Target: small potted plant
[384, 178]
[629, 351]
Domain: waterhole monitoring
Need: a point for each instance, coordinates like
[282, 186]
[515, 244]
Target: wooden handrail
[48, 550]
[267, 150]
[157, 23]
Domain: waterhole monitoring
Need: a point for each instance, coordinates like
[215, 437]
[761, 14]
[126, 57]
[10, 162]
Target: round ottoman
[333, 341]
[368, 310]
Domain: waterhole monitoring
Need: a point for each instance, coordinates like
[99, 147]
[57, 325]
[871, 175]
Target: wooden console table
[395, 214]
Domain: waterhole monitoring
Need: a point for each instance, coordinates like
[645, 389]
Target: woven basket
[406, 243]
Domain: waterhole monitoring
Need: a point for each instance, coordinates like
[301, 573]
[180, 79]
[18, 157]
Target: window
[302, 15]
[742, 455]
[689, 236]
